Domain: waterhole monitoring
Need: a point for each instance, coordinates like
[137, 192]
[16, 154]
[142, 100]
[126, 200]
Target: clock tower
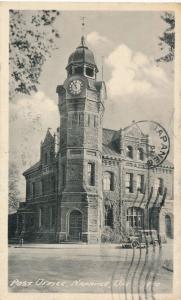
[81, 106]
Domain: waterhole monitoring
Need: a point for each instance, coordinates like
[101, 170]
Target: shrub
[109, 236]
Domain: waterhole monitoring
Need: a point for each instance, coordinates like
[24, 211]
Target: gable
[134, 131]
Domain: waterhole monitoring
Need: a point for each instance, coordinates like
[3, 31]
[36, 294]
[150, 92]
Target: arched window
[109, 215]
[108, 181]
[140, 154]
[135, 217]
[129, 151]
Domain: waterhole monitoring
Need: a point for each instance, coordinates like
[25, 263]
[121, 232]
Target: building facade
[89, 178]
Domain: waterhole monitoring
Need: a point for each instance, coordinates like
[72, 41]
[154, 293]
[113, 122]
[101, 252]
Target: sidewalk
[64, 246]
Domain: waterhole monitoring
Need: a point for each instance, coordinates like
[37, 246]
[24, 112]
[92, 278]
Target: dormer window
[129, 152]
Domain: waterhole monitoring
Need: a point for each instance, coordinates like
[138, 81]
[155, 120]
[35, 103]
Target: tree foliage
[167, 40]
[32, 38]
[14, 193]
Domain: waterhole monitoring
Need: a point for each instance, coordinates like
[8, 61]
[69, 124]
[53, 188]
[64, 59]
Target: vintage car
[141, 239]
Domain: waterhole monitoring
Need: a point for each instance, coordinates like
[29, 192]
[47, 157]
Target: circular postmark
[157, 144]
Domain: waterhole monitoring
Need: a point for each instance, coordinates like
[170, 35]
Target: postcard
[90, 151]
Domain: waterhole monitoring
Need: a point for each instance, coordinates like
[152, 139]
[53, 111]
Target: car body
[142, 238]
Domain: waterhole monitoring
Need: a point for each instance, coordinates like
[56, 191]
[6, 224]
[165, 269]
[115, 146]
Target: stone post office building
[97, 177]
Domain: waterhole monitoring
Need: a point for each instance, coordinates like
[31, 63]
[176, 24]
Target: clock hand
[74, 84]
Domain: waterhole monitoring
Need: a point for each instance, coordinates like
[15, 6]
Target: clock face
[75, 87]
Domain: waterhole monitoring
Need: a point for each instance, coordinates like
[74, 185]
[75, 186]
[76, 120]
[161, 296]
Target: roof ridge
[110, 129]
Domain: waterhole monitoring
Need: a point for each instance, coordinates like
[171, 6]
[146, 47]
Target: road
[89, 270]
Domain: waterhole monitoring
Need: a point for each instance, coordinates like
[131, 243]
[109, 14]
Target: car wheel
[135, 244]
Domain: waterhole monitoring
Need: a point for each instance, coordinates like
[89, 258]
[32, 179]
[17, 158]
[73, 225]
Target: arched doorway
[168, 226]
[75, 225]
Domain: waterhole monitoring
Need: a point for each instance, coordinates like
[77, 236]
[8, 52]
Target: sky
[138, 88]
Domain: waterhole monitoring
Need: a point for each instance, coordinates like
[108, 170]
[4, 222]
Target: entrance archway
[75, 225]
[168, 226]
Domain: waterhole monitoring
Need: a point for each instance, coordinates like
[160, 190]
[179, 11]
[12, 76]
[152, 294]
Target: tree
[167, 40]
[14, 193]
[32, 38]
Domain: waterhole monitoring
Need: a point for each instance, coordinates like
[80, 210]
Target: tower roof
[82, 55]
[48, 138]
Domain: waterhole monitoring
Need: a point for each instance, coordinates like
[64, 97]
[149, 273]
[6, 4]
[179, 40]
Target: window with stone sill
[140, 183]
[159, 186]
[129, 152]
[129, 182]
[63, 175]
[91, 174]
[135, 217]
[108, 181]
[52, 216]
[88, 120]
[109, 216]
[140, 154]
[33, 189]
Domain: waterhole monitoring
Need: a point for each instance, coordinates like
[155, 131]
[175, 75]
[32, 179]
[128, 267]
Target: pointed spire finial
[83, 25]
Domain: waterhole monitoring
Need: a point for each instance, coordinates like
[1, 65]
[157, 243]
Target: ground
[93, 269]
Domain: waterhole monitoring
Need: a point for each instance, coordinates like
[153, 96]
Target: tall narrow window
[129, 182]
[88, 120]
[43, 187]
[108, 181]
[109, 216]
[27, 188]
[79, 118]
[140, 183]
[95, 121]
[53, 216]
[159, 186]
[129, 151]
[40, 217]
[46, 158]
[140, 154]
[53, 183]
[33, 190]
[63, 175]
[91, 174]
